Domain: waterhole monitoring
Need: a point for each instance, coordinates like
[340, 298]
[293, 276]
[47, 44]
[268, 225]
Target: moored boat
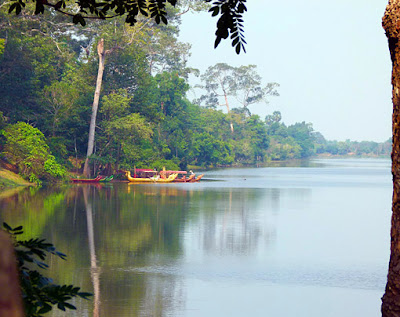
[86, 180]
[106, 179]
[184, 179]
[144, 172]
[196, 179]
[166, 173]
[154, 179]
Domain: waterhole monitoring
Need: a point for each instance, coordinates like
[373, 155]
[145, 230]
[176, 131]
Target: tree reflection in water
[138, 239]
[89, 195]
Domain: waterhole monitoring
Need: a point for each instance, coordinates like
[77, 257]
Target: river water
[308, 240]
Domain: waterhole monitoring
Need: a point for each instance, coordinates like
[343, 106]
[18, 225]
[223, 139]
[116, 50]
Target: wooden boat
[86, 180]
[143, 172]
[106, 179]
[197, 179]
[166, 173]
[154, 179]
[184, 179]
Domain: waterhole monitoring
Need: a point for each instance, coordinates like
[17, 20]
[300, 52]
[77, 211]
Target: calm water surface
[275, 241]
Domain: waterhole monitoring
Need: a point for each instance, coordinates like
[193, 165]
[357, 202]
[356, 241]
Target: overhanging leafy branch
[39, 293]
[230, 22]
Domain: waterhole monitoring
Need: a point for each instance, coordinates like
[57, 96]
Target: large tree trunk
[92, 128]
[391, 298]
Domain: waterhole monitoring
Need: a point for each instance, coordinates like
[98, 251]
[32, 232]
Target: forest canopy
[48, 69]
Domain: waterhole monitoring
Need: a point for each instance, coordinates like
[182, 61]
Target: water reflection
[229, 225]
[134, 238]
[95, 271]
[178, 249]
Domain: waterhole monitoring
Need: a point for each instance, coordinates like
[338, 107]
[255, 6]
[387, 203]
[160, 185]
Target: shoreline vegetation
[135, 99]
[11, 183]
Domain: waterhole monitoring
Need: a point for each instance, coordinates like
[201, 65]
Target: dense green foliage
[47, 81]
[39, 293]
[25, 147]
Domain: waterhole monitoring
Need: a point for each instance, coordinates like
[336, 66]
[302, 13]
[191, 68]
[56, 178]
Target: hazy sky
[330, 58]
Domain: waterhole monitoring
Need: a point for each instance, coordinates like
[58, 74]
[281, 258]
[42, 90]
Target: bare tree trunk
[100, 51]
[391, 298]
[227, 108]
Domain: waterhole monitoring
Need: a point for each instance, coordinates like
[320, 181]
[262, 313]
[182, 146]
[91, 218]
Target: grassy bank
[9, 180]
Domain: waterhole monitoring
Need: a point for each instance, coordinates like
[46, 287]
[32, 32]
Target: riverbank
[9, 180]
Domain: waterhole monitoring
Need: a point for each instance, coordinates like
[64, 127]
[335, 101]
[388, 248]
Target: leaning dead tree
[95, 106]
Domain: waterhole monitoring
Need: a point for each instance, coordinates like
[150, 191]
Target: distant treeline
[354, 148]
[300, 141]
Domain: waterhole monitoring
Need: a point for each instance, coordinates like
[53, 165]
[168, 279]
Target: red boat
[86, 180]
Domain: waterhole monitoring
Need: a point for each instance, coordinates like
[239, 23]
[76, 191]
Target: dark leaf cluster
[40, 293]
[230, 22]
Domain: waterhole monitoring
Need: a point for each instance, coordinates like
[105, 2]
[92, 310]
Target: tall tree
[59, 98]
[249, 89]
[34, 56]
[92, 127]
[219, 82]
[121, 131]
[390, 300]
[242, 83]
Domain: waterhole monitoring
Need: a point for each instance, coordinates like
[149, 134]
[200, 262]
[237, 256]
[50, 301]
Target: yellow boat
[154, 179]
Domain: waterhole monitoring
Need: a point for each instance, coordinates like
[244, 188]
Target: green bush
[26, 147]
[168, 164]
[53, 168]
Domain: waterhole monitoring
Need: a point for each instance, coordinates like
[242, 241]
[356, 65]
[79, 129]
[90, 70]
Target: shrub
[26, 147]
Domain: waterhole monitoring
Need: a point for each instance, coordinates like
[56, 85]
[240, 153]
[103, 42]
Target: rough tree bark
[92, 128]
[391, 298]
[10, 292]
